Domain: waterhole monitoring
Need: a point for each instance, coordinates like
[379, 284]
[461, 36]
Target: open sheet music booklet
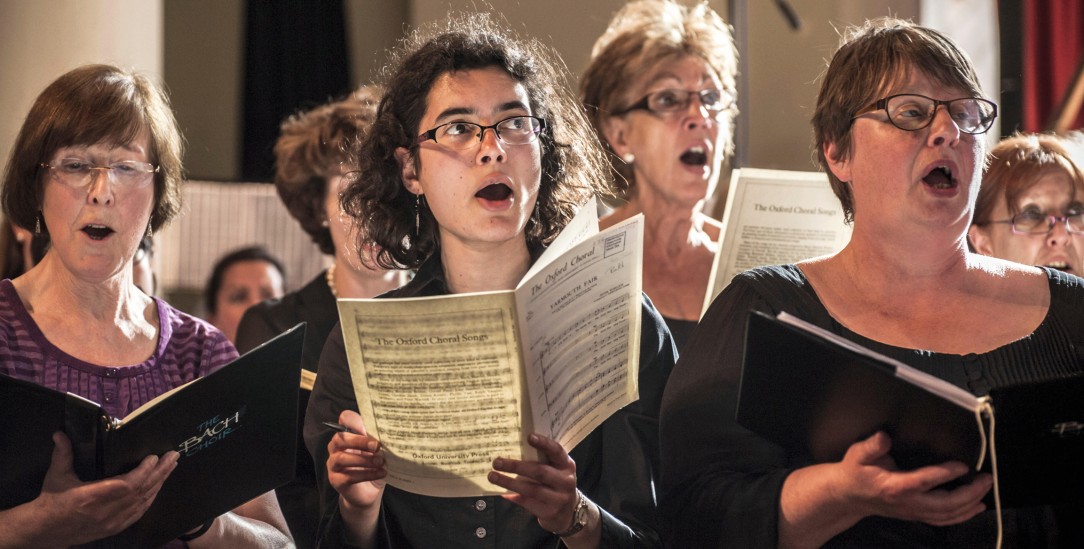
[816, 393]
[448, 383]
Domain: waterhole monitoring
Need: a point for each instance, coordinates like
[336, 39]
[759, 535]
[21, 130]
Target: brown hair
[573, 168]
[315, 146]
[871, 60]
[89, 105]
[1018, 162]
[642, 36]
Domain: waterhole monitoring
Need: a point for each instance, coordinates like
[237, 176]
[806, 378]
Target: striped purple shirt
[187, 348]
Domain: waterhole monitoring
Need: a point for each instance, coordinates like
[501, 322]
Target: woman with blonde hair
[660, 92]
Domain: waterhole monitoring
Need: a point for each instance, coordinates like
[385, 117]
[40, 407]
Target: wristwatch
[579, 517]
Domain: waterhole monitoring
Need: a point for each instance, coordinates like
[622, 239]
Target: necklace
[330, 275]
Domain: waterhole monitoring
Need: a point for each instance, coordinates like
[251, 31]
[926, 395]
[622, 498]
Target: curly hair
[315, 146]
[89, 105]
[643, 35]
[572, 165]
[1018, 162]
[870, 61]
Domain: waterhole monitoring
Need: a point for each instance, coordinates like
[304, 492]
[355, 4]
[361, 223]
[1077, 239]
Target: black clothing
[315, 305]
[721, 483]
[617, 464]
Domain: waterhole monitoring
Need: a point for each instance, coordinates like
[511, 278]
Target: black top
[315, 305]
[617, 464]
[722, 483]
[681, 330]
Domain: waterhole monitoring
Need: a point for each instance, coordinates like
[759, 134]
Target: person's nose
[696, 114]
[1058, 234]
[491, 149]
[100, 188]
[943, 129]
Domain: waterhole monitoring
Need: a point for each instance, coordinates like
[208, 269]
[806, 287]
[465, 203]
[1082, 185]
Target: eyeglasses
[78, 173]
[1032, 222]
[515, 130]
[912, 112]
[672, 100]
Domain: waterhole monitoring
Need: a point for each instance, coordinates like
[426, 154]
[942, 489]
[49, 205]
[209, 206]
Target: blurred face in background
[1058, 246]
[244, 284]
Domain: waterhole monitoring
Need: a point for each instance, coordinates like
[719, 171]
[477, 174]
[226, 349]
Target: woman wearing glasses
[660, 92]
[1031, 206]
[898, 125]
[95, 168]
[476, 160]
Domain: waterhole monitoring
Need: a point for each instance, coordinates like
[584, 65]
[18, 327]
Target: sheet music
[437, 382]
[448, 383]
[581, 363]
[775, 217]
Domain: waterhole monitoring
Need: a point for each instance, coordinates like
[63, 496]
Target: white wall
[42, 39]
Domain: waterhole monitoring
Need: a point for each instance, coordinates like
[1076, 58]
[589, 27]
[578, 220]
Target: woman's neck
[484, 268]
[361, 282]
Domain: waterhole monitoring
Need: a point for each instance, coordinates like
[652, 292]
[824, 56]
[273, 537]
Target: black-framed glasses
[674, 100]
[77, 173]
[514, 130]
[1032, 222]
[913, 112]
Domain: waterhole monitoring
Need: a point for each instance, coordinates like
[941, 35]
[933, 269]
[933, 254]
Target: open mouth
[495, 192]
[940, 178]
[695, 156]
[1060, 265]
[97, 232]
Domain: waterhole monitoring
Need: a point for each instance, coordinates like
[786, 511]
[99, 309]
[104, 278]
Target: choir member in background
[312, 167]
[239, 280]
[1031, 205]
[660, 92]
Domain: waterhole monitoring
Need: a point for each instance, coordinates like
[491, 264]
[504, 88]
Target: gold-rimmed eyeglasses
[77, 173]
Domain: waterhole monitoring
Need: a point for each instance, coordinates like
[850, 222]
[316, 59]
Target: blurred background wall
[212, 55]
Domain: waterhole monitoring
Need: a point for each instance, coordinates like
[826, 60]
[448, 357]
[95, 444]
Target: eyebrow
[458, 111]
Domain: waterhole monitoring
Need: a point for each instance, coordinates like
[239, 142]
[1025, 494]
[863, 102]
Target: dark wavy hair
[89, 105]
[871, 59]
[314, 146]
[573, 168]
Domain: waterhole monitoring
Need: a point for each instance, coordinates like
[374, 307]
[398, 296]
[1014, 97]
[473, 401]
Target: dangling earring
[37, 224]
[629, 158]
[417, 215]
[148, 233]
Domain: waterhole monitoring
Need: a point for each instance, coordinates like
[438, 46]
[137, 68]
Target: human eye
[668, 100]
[457, 129]
[126, 167]
[73, 165]
[711, 97]
[909, 107]
[518, 124]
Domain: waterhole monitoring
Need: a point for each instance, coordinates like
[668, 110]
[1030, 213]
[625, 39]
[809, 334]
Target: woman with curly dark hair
[477, 159]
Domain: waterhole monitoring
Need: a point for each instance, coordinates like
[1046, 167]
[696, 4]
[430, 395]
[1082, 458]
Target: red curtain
[1053, 48]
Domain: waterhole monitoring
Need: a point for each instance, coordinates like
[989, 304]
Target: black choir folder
[235, 430]
[816, 393]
